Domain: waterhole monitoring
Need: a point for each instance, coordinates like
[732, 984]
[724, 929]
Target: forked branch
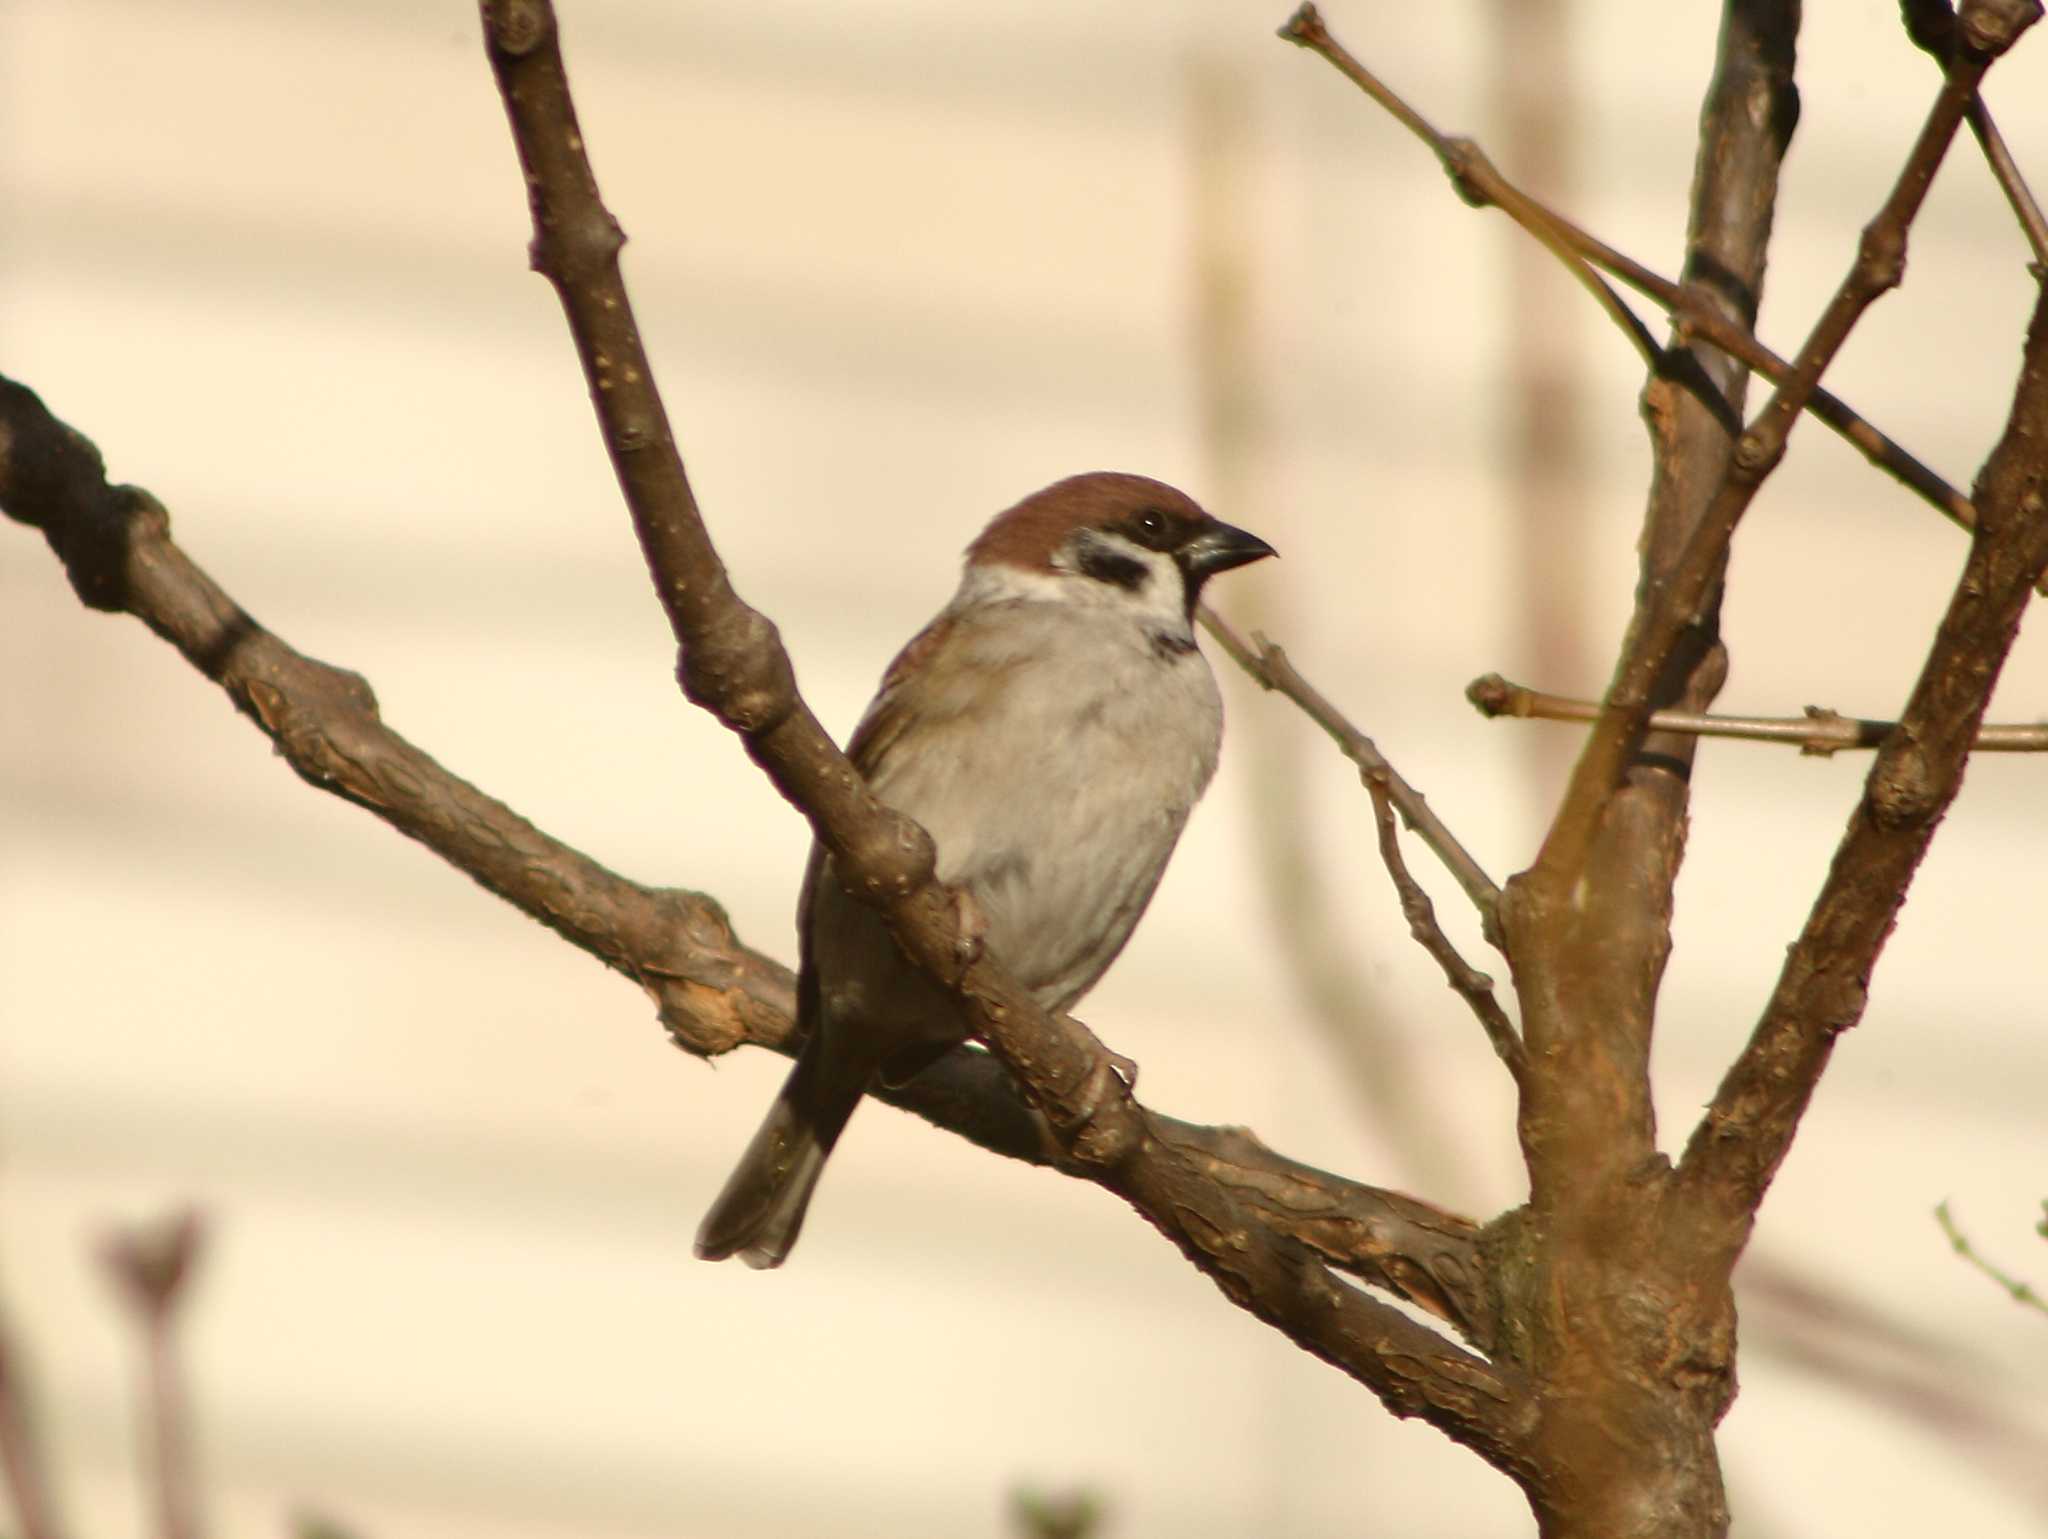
[1480, 183]
[1470, 984]
[1821, 990]
[1671, 601]
[713, 992]
[1271, 669]
[732, 663]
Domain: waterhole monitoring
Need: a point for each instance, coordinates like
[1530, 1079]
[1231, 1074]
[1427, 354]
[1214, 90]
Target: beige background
[900, 262]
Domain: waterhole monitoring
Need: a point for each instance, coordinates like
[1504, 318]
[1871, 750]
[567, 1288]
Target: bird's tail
[761, 1209]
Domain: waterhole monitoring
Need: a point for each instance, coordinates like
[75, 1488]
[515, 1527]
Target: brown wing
[886, 717]
[806, 969]
[888, 714]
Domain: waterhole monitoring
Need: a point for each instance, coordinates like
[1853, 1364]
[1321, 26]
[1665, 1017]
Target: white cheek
[1159, 605]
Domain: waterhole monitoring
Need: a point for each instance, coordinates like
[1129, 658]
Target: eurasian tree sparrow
[1051, 730]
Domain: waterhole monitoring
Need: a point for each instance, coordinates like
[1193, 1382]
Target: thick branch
[713, 992]
[1822, 989]
[1820, 732]
[1674, 599]
[733, 664]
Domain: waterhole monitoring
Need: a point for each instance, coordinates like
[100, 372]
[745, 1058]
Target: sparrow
[1051, 729]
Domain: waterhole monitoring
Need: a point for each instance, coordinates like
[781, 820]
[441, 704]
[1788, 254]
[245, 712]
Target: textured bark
[1636, 1353]
[1599, 1315]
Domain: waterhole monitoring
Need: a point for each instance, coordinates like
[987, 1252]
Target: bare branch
[1267, 664]
[2013, 183]
[21, 1454]
[733, 664]
[1821, 990]
[116, 547]
[1931, 24]
[1461, 160]
[1376, 1061]
[2022, 1292]
[152, 1269]
[1480, 183]
[1820, 732]
[713, 993]
[1470, 984]
[1671, 603]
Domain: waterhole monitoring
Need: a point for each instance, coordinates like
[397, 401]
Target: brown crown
[1027, 535]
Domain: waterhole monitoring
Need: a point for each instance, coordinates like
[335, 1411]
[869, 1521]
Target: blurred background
[900, 263]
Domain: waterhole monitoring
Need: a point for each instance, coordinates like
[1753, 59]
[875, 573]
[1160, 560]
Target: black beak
[1218, 548]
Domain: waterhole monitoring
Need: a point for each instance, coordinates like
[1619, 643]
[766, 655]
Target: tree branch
[1470, 984]
[1480, 183]
[732, 663]
[1820, 732]
[116, 547]
[2012, 183]
[1821, 990]
[1931, 24]
[1674, 597]
[2022, 1292]
[151, 1266]
[1271, 669]
[713, 993]
[21, 1454]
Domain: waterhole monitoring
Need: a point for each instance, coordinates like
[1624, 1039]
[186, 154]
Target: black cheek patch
[1105, 563]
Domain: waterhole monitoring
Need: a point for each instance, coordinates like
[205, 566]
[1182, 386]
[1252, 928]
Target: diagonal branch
[23, 1464]
[2020, 1291]
[1480, 183]
[2007, 171]
[151, 1267]
[1670, 603]
[732, 663]
[1271, 669]
[1931, 24]
[1821, 991]
[713, 993]
[1470, 984]
[1820, 732]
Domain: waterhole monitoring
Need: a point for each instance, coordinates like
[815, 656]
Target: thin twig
[1931, 25]
[1480, 183]
[152, 1268]
[1668, 607]
[21, 1455]
[2022, 1292]
[2012, 182]
[1269, 666]
[1377, 1061]
[1820, 732]
[1470, 984]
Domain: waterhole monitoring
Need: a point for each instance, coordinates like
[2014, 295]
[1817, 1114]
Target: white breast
[1064, 747]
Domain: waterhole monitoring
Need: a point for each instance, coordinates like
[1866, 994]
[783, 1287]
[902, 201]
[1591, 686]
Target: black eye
[1153, 523]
